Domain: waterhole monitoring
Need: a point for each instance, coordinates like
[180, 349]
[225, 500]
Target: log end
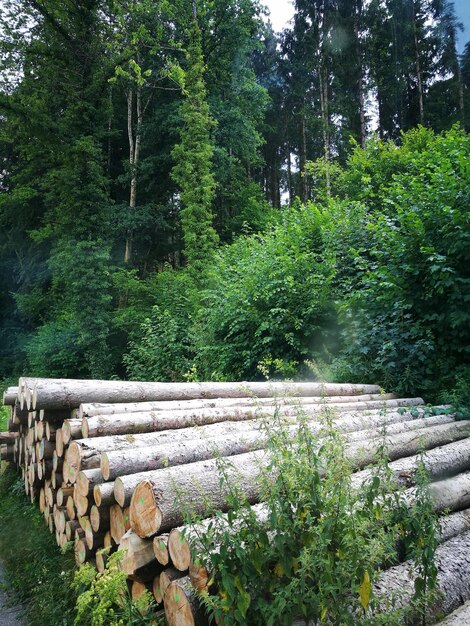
[178, 608]
[179, 551]
[104, 466]
[146, 518]
[161, 551]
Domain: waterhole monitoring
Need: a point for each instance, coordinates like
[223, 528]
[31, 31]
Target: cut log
[196, 487]
[157, 592]
[87, 479]
[10, 396]
[168, 576]
[116, 523]
[160, 549]
[182, 608]
[42, 393]
[85, 453]
[137, 423]
[454, 524]
[93, 409]
[441, 462]
[460, 617]
[103, 494]
[138, 553]
[126, 462]
[453, 578]
[99, 518]
[71, 429]
[179, 550]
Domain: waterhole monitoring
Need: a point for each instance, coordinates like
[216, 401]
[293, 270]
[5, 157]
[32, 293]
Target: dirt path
[9, 616]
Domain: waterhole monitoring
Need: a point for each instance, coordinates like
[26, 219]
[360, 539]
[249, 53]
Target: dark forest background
[186, 195]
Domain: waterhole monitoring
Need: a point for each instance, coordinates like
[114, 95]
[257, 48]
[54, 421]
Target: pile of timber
[117, 465]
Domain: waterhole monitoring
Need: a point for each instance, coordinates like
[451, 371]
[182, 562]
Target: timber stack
[116, 465]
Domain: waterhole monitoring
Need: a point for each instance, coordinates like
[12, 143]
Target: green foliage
[318, 546]
[268, 298]
[38, 573]
[162, 348]
[104, 600]
[193, 162]
[408, 323]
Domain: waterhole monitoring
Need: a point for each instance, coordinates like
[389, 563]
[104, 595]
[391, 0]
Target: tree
[193, 170]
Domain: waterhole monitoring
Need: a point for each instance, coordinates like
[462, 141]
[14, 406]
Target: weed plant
[318, 545]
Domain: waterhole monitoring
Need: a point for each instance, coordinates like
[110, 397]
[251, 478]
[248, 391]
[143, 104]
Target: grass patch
[36, 571]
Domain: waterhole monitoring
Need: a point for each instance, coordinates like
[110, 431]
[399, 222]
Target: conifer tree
[193, 172]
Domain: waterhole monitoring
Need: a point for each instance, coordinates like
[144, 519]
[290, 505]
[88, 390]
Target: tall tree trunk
[419, 77]
[461, 97]
[303, 158]
[324, 106]
[134, 155]
[360, 80]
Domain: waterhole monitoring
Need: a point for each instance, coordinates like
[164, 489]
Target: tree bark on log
[126, 462]
[85, 453]
[142, 422]
[42, 393]
[441, 462]
[10, 396]
[460, 617]
[453, 578]
[163, 496]
[95, 409]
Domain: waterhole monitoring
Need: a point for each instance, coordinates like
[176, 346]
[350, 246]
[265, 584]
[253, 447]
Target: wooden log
[71, 527]
[157, 502]
[51, 393]
[453, 578]
[55, 417]
[71, 429]
[70, 506]
[454, 524]
[10, 396]
[157, 592]
[93, 409]
[138, 589]
[116, 523]
[168, 576]
[99, 518]
[179, 549]
[87, 479]
[160, 549]
[82, 504]
[7, 452]
[56, 479]
[85, 453]
[103, 494]
[59, 443]
[8, 437]
[135, 423]
[460, 617]
[182, 608]
[125, 462]
[82, 552]
[441, 462]
[138, 553]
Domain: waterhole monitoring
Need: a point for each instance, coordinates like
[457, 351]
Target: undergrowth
[35, 569]
[318, 545]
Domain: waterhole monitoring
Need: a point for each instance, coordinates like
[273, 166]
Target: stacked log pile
[118, 464]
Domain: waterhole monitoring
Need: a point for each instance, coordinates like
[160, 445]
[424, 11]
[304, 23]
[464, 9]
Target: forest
[188, 195]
